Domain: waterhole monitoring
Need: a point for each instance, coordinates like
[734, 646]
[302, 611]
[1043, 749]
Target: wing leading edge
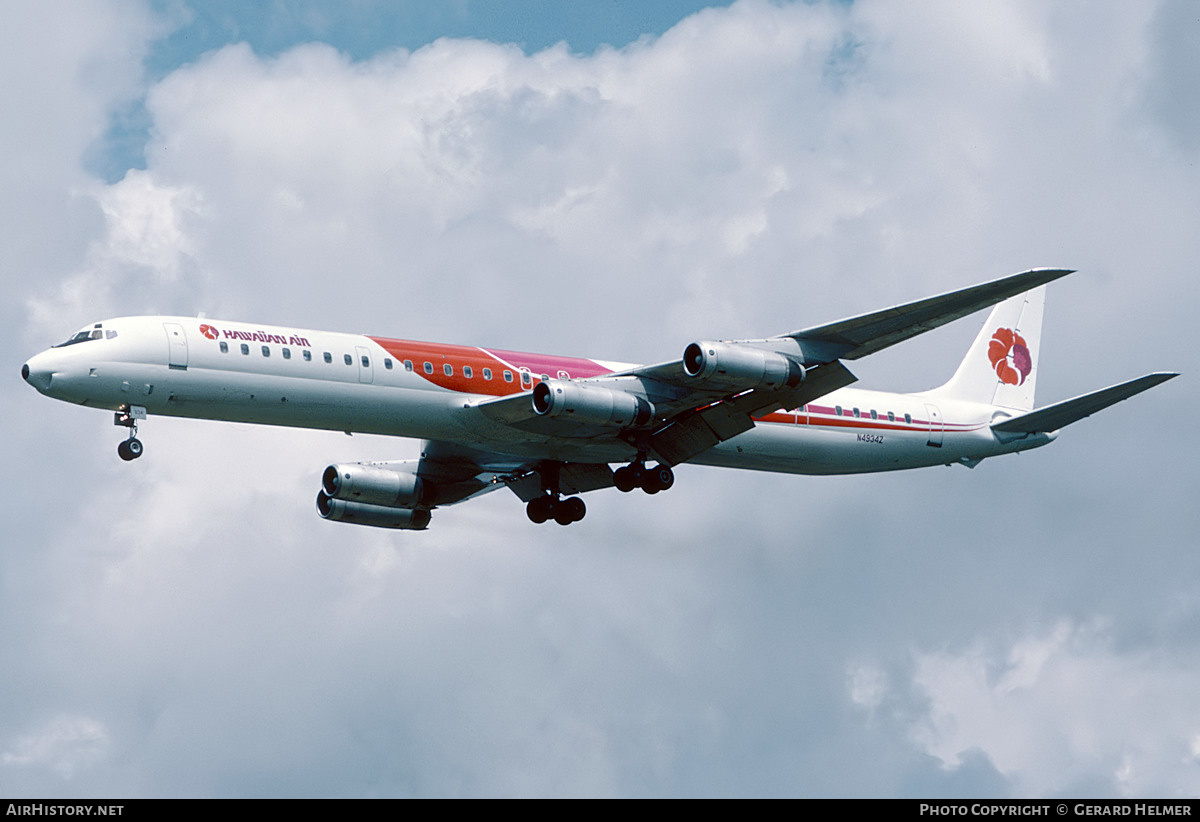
[867, 333]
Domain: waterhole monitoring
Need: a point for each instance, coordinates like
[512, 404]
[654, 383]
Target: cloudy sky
[609, 181]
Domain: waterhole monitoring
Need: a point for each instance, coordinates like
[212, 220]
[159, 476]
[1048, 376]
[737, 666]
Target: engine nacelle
[379, 516]
[738, 367]
[376, 485]
[591, 404]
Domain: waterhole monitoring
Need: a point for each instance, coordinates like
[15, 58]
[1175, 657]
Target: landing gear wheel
[569, 510]
[663, 476]
[625, 479]
[540, 509]
[130, 449]
[574, 507]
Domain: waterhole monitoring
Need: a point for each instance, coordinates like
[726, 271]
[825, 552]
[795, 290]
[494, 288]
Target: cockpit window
[95, 332]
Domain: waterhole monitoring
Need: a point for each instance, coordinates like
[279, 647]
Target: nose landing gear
[127, 417]
[130, 449]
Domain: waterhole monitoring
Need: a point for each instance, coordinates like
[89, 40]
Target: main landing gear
[551, 506]
[127, 417]
[637, 475]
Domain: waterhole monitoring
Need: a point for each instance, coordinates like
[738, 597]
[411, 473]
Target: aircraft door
[366, 369]
[177, 356]
[935, 425]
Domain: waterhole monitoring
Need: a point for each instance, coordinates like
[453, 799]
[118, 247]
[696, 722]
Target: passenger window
[838, 410]
[908, 418]
[507, 375]
[346, 358]
[428, 368]
[487, 373]
[408, 365]
[224, 347]
[266, 351]
[856, 413]
[287, 353]
[366, 361]
[448, 370]
[467, 372]
[307, 355]
[874, 415]
[526, 379]
[328, 357]
[891, 416]
[245, 348]
[387, 363]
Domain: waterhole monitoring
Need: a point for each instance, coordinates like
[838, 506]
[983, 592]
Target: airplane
[550, 428]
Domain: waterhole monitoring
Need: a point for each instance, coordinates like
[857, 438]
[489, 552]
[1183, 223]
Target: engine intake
[376, 485]
[591, 404]
[738, 367]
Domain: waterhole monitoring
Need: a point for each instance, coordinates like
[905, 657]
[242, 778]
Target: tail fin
[1001, 365]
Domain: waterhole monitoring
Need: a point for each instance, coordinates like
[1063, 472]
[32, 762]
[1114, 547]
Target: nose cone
[37, 372]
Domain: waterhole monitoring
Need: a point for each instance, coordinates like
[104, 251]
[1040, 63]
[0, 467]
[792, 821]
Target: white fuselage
[210, 369]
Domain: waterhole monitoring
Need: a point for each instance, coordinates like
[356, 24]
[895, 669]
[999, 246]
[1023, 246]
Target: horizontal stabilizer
[859, 336]
[1061, 414]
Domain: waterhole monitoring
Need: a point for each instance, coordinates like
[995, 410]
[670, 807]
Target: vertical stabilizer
[1001, 366]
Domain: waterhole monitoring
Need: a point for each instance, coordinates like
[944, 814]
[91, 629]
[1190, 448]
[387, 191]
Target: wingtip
[1051, 273]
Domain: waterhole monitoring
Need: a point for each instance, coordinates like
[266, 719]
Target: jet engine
[725, 366]
[375, 494]
[376, 485]
[591, 404]
[361, 513]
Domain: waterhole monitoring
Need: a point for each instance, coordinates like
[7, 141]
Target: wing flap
[1062, 414]
[693, 433]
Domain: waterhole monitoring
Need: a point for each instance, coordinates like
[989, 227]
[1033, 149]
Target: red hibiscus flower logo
[1010, 356]
[208, 331]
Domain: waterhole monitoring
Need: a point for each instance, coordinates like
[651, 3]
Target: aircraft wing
[458, 473]
[1062, 414]
[716, 389]
[865, 334]
[856, 337]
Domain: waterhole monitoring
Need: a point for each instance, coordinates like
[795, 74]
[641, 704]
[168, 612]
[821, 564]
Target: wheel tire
[650, 482]
[123, 451]
[664, 476]
[562, 514]
[638, 472]
[624, 479]
[135, 447]
[540, 509]
[575, 508]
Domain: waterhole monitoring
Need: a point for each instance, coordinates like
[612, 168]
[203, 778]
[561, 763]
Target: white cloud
[1063, 708]
[66, 744]
[148, 248]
